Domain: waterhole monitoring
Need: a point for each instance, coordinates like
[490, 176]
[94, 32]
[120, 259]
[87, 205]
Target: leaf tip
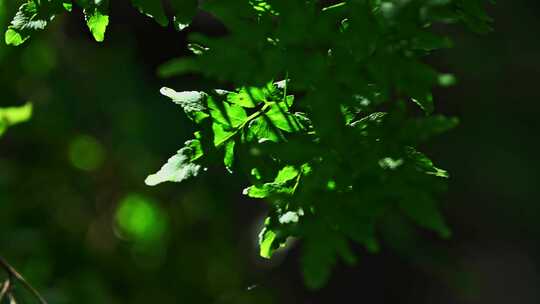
[14, 38]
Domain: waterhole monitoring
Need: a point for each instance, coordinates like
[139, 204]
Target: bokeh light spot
[331, 185]
[139, 219]
[86, 153]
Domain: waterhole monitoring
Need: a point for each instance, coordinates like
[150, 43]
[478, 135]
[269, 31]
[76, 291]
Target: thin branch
[14, 274]
[11, 299]
[6, 286]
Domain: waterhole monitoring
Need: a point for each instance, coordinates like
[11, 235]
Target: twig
[5, 289]
[13, 274]
[11, 299]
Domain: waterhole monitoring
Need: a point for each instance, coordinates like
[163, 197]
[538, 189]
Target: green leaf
[226, 114]
[30, 17]
[153, 9]
[422, 129]
[280, 186]
[286, 174]
[423, 209]
[178, 66]
[193, 102]
[247, 97]
[274, 234]
[259, 130]
[68, 6]
[320, 251]
[184, 12]
[424, 164]
[97, 18]
[282, 119]
[14, 115]
[267, 190]
[27, 17]
[289, 101]
[97, 23]
[221, 135]
[180, 166]
[242, 99]
[267, 239]
[14, 38]
[228, 159]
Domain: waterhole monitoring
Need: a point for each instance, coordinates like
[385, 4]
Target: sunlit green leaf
[32, 16]
[193, 102]
[180, 166]
[260, 130]
[97, 19]
[267, 239]
[14, 115]
[280, 185]
[228, 159]
[281, 118]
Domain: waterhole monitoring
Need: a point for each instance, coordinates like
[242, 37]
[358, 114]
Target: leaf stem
[12, 273]
[248, 120]
[338, 5]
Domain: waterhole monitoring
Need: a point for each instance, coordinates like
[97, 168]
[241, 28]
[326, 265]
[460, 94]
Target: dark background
[59, 204]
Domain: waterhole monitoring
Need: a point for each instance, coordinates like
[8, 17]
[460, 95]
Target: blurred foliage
[86, 153]
[331, 164]
[14, 115]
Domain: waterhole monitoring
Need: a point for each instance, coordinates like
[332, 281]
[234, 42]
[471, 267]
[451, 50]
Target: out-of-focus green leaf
[424, 211]
[14, 115]
[424, 164]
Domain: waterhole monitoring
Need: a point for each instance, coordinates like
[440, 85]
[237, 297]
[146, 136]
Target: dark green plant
[332, 148]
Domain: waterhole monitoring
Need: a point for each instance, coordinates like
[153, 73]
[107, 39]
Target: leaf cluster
[333, 148]
[345, 154]
[314, 192]
[34, 15]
